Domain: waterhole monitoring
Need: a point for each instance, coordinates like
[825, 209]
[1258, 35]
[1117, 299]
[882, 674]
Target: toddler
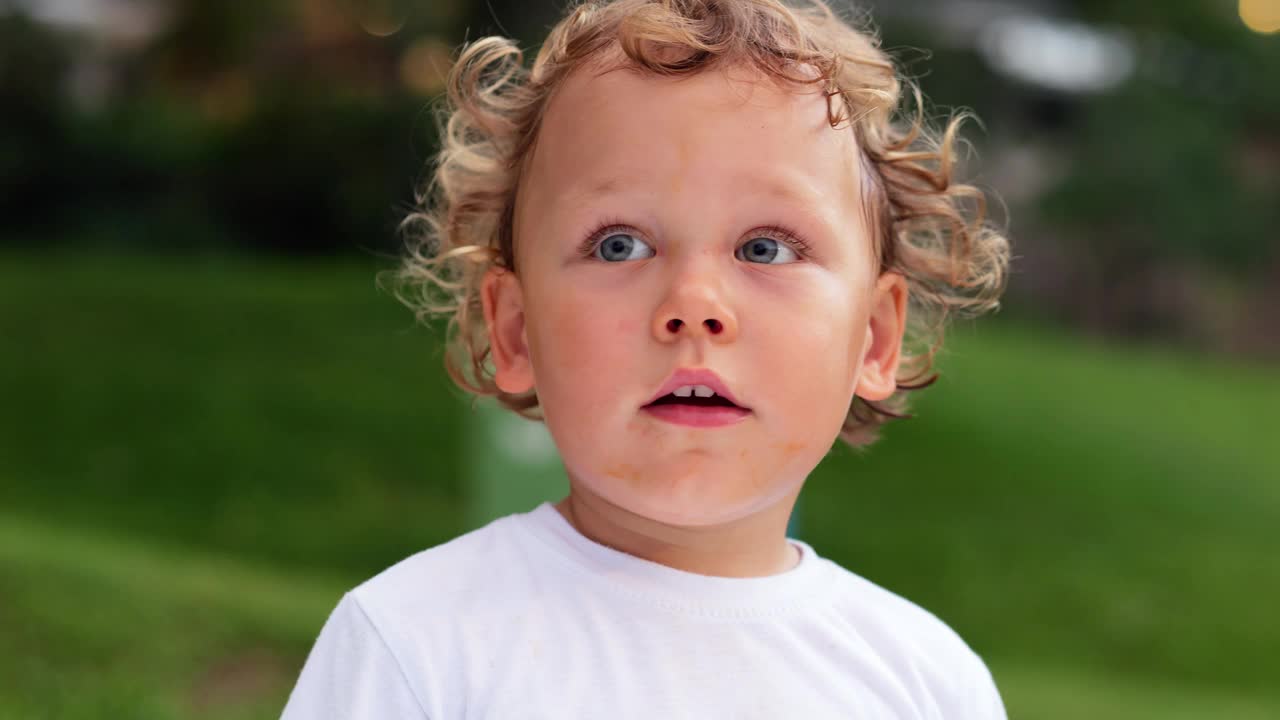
[701, 241]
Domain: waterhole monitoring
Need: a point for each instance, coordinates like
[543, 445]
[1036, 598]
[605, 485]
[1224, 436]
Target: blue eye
[618, 246]
[766, 250]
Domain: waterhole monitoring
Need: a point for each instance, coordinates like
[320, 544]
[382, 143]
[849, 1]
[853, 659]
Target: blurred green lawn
[199, 455]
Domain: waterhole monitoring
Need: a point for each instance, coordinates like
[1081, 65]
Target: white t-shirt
[527, 618]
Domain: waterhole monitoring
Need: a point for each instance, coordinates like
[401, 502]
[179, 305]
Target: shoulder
[434, 612]
[910, 622]
[456, 575]
[918, 643]
[350, 672]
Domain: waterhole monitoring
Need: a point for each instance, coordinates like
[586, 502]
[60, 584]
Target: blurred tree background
[212, 423]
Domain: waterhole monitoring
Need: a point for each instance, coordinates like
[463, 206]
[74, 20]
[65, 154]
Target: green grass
[96, 626]
[226, 404]
[1049, 692]
[199, 455]
[1054, 499]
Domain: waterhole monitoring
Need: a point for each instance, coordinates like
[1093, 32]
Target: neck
[753, 546]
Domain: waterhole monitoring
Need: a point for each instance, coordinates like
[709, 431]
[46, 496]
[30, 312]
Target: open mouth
[700, 410]
[696, 397]
[693, 400]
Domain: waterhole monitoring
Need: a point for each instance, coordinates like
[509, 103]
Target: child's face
[696, 176]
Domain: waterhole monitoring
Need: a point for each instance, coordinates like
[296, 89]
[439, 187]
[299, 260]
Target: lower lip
[697, 416]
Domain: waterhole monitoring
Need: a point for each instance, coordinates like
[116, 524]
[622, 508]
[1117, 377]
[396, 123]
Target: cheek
[581, 345]
[817, 364]
[820, 326]
[818, 352]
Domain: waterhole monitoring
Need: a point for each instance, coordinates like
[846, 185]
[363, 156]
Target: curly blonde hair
[926, 225]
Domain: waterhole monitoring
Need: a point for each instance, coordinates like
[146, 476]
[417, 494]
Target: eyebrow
[795, 192]
[606, 186]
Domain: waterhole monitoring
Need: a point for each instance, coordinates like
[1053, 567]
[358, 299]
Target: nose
[695, 309]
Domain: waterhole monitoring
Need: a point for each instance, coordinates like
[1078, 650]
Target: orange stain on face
[790, 448]
[623, 471]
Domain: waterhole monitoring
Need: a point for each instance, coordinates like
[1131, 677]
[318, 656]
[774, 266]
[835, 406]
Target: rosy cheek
[588, 344]
[568, 324]
[626, 327]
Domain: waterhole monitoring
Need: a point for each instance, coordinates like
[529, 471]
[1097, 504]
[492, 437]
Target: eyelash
[588, 247]
[774, 232]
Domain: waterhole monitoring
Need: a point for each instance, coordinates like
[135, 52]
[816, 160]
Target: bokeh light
[381, 18]
[1261, 16]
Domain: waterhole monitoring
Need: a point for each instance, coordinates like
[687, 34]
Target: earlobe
[886, 325]
[503, 302]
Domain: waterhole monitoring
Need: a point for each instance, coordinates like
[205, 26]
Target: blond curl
[927, 226]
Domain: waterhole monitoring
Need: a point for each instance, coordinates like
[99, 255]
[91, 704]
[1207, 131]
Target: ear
[503, 302]
[883, 349]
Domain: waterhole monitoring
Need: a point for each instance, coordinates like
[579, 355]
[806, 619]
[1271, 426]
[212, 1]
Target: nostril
[674, 324]
[714, 326]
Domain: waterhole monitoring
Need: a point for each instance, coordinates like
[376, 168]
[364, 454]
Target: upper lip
[695, 376]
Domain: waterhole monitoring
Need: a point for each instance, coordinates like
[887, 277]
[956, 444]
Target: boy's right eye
[620, 246]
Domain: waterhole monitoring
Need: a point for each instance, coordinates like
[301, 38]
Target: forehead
[723, 131]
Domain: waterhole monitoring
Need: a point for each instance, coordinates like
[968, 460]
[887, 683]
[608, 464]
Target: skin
[694, 168]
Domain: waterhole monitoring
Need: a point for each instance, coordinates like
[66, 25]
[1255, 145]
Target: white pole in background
[512, 464]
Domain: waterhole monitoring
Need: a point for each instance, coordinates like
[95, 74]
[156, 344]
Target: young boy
[687, 239]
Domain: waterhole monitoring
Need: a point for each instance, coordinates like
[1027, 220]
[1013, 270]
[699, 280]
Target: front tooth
[683, 391]
[703, 391]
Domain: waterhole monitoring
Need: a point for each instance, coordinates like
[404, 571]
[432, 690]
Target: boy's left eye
[767, 251]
